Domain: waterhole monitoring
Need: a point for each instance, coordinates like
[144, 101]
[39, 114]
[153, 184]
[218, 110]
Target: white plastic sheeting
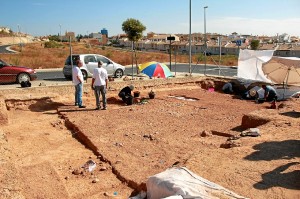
[182, 183]
[250, 64]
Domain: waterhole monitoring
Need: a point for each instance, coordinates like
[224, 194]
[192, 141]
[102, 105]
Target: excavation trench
[45, 104]
[82, 138]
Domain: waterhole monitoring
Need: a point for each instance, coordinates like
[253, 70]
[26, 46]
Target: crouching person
[126, 95]
[270, 93]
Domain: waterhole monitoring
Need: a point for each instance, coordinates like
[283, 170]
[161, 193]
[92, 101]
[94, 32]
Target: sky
[52, 17]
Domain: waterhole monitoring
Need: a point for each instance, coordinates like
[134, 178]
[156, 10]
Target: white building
[284, 38]
[95, 35]
[5, 29]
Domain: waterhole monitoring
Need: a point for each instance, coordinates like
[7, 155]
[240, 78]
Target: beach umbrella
[155, 69]
[283, 70]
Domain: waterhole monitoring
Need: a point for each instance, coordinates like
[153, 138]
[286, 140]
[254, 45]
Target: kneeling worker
[270, 93]
[126, 94]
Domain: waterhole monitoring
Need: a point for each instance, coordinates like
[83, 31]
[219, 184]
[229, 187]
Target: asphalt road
[53, 74]
[4, 51]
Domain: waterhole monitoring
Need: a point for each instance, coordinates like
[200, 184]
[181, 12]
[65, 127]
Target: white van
[90, 61]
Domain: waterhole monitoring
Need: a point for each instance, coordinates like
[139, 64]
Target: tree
[134, 30]
[254, 44]
[79, 37]
[53, 38]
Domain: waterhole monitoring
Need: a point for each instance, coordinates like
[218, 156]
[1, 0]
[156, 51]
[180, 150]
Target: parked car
[90, 61]
[15, 74]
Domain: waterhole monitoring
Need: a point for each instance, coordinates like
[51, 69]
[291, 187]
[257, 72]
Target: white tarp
[182, 183]
[250, 64]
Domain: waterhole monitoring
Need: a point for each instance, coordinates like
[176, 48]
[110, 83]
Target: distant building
[5, 29]
[284, 38]
[160, 37]
[95, 35]
[68, 36]
[95, 39]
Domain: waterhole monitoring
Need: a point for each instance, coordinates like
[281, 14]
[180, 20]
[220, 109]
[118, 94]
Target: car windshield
[74, 58]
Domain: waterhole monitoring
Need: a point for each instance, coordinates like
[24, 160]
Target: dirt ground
[45, 141]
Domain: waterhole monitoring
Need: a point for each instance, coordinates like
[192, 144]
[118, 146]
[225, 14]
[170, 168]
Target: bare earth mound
[183, 126]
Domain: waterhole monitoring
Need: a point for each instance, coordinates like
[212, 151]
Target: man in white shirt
[77, 79]
[99, 85]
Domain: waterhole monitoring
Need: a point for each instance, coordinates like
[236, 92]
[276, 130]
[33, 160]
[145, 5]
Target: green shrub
[52, 44]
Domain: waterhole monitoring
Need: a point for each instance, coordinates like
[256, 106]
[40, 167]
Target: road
[178, 68]
[4, 51]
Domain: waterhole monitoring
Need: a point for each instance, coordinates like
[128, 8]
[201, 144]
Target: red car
[15, 74]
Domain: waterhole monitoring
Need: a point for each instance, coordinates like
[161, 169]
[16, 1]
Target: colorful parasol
[155, 69]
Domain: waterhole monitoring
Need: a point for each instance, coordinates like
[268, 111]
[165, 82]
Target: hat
[252, 92]
[131, 87]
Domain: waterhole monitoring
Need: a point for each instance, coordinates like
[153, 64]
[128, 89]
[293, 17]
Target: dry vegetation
[35, 55]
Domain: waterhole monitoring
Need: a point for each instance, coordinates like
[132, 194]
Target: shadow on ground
[293, 114]
[289, 180]
[268, 151]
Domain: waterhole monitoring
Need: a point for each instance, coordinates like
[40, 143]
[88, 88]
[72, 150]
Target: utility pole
[205, 40]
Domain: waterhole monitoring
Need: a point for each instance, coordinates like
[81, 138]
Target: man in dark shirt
[126, 95]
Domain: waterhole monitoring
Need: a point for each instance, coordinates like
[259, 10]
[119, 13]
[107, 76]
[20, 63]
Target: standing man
[99, 85]
[77, 79]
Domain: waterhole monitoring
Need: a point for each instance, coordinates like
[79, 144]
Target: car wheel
[84, 73]
[119, 73]
[23, 77]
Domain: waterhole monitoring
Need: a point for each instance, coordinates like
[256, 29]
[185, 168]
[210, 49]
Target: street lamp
[205, 40]
[190, 45]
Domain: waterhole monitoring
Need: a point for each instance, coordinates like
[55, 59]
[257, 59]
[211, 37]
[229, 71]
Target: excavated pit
[167, 131]
[46, 104]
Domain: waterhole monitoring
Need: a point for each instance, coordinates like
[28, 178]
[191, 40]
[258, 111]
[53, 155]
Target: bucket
[151, 95]
[211, 89]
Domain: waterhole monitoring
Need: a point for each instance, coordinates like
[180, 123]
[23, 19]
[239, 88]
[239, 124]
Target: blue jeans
[100, 90]
[78, 94]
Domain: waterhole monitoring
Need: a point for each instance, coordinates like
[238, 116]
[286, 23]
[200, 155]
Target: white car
[90, 61]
